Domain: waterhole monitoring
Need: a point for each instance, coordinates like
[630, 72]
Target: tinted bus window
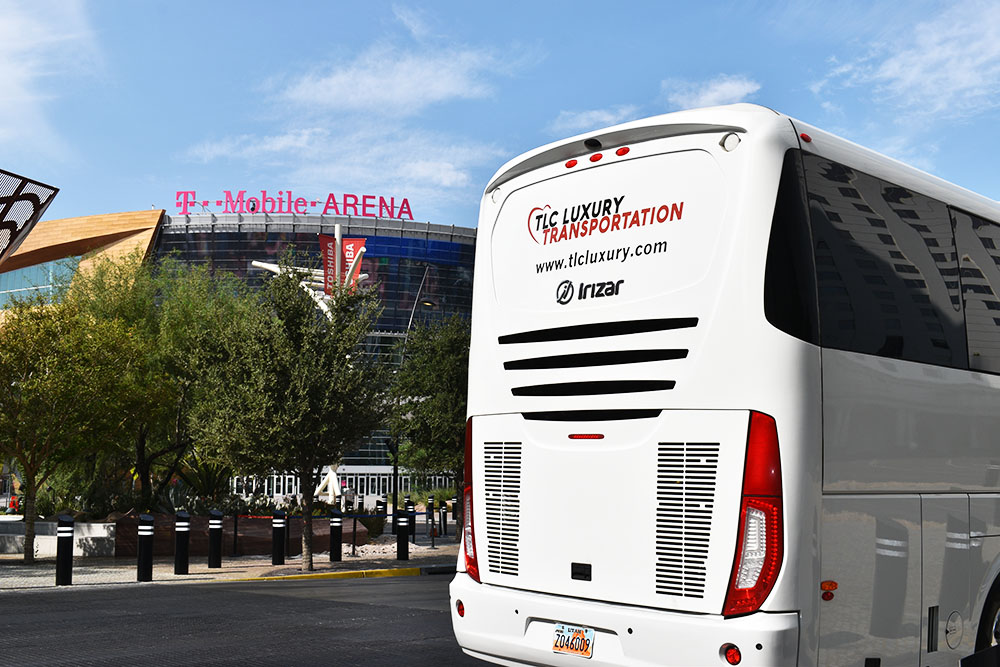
[789, 279]
[979, 250]
[886, 268]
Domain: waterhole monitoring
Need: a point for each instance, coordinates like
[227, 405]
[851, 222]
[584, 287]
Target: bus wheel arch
[989, 621]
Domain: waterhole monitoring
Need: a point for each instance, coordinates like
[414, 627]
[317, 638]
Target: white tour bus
[734, 398]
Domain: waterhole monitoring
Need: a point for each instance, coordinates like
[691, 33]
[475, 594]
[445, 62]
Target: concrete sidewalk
[372, 560]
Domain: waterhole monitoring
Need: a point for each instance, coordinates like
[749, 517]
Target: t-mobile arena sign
[360, 206]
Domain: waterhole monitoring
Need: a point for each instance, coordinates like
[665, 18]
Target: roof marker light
[586, 436]
[622, 151]
[570, 164]
[595, 157]
[805, 137]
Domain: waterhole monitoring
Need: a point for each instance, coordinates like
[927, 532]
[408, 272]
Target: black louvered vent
[599, 330]
[685, 499]
[502, 498]
[612, 358]
[622, 357]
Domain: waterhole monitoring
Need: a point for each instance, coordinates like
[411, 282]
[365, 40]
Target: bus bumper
[511, 627]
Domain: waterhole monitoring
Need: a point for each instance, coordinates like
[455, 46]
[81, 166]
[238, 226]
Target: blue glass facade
[422, 271]
[39, 279]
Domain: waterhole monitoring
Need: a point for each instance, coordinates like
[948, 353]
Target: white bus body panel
[892, 425]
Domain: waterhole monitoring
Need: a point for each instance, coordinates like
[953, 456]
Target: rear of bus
[641, 487]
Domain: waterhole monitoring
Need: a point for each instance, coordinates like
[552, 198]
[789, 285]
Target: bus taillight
[469, 535]
[759, 544]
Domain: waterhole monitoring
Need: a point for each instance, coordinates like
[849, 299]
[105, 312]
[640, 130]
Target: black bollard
[412, 516]
[454, 509]
[431, 529]
[182, 538]
[444, 519]
[145, 550]
[214, 538]
[336, 536]
[402, 544]
[278, 527]
[64, 550]
[394, 519]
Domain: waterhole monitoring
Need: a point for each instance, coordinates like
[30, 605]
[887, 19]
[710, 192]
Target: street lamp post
[394, 447]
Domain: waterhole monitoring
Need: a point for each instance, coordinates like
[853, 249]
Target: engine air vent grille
[685, 499]
[502, 499]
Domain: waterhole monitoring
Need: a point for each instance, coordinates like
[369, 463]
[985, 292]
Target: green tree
[58, 366]
[429, 398]
[176, 313]
[295, 390]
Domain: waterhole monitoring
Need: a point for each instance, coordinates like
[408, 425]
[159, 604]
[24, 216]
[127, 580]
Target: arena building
[423, 272]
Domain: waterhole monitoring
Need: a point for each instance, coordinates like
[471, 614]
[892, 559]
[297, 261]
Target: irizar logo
[609, 288]
[564, 293]
[566, 289]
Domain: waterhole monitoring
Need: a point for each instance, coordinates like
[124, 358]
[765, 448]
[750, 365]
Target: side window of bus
[886, 268]
[979, 259]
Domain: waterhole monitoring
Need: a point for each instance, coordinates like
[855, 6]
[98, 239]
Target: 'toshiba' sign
[346, 204]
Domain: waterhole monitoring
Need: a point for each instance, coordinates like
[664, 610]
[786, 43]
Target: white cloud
[412, 20]
[947, 66]
[41, 41]
[389, 81]
[573, 122]
[405, 159]
[723, 89]
[251, 147]
[418, 164]
[341, 139]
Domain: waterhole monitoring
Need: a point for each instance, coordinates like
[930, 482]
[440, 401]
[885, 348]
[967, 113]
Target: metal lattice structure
[22, 203]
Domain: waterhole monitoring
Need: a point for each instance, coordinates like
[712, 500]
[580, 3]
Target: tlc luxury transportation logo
[548, 225]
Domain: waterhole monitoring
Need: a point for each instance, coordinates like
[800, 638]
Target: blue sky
[122, 103]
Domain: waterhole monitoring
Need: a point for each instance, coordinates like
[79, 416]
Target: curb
[358, 574]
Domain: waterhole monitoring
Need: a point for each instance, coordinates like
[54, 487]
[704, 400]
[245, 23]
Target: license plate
[573, 639]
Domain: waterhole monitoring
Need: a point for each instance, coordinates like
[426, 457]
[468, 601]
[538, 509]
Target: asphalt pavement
[363, 622]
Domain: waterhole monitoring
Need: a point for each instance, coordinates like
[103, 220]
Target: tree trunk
[308, 487]
[142, 470]
[30, 495]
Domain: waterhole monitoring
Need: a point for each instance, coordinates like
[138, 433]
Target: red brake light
[468, 533]
[762, 473]
[586, 436]
[622, 151]
[570, 164]
[595, 157]
[760, 540]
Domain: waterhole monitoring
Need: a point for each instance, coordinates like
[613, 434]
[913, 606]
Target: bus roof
[746, 118]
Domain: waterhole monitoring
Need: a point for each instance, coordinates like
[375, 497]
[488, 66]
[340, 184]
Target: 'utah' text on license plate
[573, 639]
